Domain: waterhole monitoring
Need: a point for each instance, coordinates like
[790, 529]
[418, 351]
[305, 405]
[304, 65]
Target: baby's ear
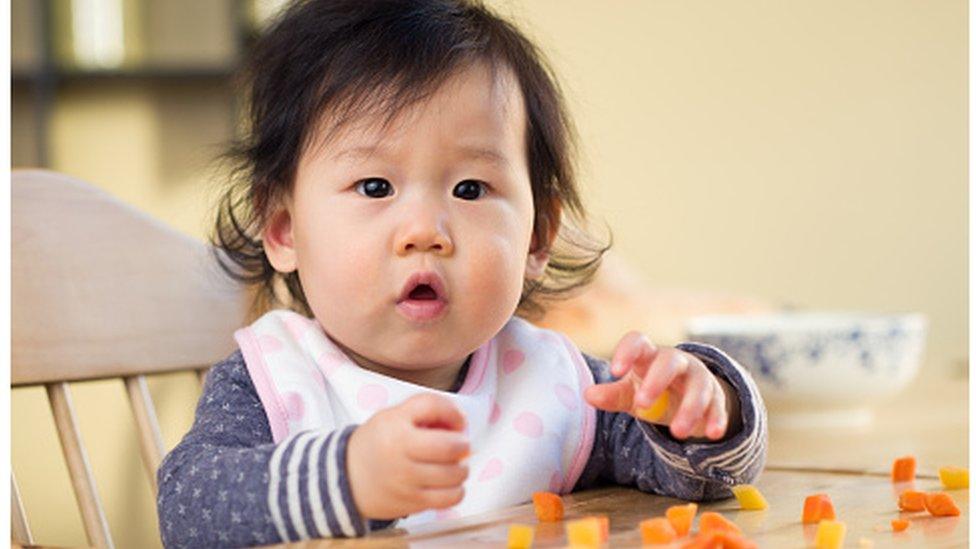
[279, 242]
[538, 258]
[535, 267]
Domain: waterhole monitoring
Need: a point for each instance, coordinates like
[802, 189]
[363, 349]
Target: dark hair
[347, 58]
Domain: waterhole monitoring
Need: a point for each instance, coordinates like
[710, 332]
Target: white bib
[529, 427]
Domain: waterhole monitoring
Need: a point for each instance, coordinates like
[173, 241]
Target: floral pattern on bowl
[819, 359]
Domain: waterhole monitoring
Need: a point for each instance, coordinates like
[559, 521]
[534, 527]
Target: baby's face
[413, 256]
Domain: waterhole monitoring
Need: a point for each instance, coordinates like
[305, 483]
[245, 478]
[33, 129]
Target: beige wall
[811, 153]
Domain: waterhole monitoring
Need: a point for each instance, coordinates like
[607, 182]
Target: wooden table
[852, 466]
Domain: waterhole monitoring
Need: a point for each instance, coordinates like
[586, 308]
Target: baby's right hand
[407, 458]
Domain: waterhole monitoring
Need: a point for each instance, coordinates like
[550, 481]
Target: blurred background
[789, 153]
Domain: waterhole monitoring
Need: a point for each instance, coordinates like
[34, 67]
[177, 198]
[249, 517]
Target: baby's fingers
[430, 475]
[634, 351]
[669, 364]
[437, 446]
[697, 396]
[717, 416]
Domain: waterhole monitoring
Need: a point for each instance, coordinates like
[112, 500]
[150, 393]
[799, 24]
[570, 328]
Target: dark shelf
[134, 74]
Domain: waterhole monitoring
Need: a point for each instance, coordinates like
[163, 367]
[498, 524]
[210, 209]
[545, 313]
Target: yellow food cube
[830, 534]
[749, 497]
[655, 411]
[954, 477]
[520, 536]
[585, 532]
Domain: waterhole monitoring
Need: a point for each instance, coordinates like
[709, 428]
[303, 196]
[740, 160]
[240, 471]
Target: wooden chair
[102, 290]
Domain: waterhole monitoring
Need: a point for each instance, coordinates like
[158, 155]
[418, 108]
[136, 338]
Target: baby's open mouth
[423, 291]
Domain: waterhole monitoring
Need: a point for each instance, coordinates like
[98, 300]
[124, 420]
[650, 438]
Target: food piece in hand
[899, 525]
[655, 411]
[941, 504]
[830, 534]
[520, 536]
[816, 508]
[657, 530]
[954, 477]
[750, 498]
[584, 532]
[911, 500]
[548, 506]
[714, 522]
[903, 470]
[681, 517]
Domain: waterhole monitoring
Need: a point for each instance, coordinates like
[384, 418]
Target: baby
[405, 176]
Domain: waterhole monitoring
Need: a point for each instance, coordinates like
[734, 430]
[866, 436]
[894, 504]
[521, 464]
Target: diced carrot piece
[548, 506]
[681, 517]
[830, 534]
[749, 497]
[656, 410]
[899, 525]
[911, 500]
[903, 470]
[954, 477]
[520, 536]
[941, 504]
[714, 522]
[604, 522]
[657, 530]
[719, 540]
[584, 532]
[816, 508]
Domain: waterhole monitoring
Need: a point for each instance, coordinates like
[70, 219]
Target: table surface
[853, 465]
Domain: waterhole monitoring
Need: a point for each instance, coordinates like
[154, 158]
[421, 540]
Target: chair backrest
[102, 290]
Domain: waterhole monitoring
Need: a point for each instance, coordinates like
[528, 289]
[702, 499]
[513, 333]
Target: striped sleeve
[631, 452]
[308, 491]
[227, 484]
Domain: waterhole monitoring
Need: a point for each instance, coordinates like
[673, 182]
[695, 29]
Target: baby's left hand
[696, 398]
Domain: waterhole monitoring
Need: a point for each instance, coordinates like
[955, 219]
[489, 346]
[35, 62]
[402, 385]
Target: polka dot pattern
[566, 396]
[528, 424]
[492, 470]
[511, 360]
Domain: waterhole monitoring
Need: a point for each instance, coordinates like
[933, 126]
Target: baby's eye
[374, 187]
[470, 189]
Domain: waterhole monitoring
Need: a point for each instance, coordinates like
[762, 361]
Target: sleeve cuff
[735, 460]
[308, 492]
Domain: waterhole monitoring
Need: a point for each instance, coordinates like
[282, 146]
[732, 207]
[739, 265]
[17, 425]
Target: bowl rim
[803, 322]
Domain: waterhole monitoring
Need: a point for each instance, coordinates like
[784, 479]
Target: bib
[528, 425]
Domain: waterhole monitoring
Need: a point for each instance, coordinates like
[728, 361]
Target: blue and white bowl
[820, 367]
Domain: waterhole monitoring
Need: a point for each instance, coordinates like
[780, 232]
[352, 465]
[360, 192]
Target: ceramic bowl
[820, 367]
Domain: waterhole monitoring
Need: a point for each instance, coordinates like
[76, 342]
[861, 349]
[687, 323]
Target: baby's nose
[422, 234]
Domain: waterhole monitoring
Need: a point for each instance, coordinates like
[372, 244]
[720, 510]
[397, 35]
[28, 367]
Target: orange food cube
[911, 500]
[954, 477]
[903, 470]
[830, 534]
[656, 410]
[681, 517]
[657, 530]
[749, 497]
[603, 522]
[548, 506]
[899, 525]
[520, 536]
[714, 522]
[816, 508]
[941, 504]
[584, 532]
[719, 540]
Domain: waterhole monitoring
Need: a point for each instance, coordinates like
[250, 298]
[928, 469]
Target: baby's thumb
[612, 397]
[434, 412]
